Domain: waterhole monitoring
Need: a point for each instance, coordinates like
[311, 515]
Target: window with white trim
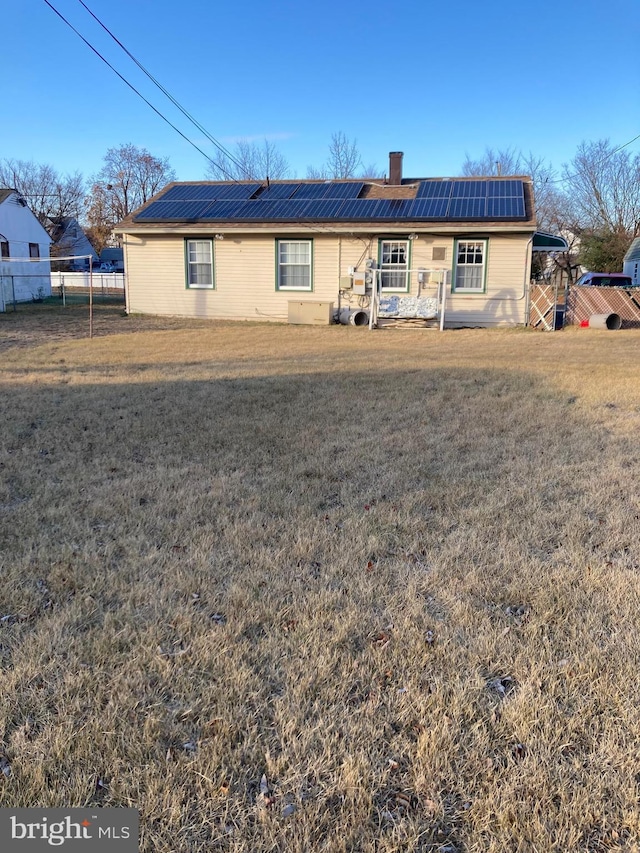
[471, 256]
[394, 265]
[199, 263]
[294, 264]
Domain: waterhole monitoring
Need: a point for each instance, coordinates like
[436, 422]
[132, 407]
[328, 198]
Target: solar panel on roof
[254, 210]
[278, 191]
[448, 199]
[469, 189]
[224, 209]
[344, 189]
[191, 192]
[291, 208]
[228, 191]
[505, 208]
[394, 208]
[309, 191]
[276, 209]
[434, 189]
[505, 189]
[322, 208]
[429, 208]
[360, 208]
[175, 210]
[467, 208]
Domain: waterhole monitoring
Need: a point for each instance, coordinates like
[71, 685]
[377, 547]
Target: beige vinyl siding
[507, 275]
[244, 278]
[507, 269]
[422, 256]
[353, 253]
[421, 253]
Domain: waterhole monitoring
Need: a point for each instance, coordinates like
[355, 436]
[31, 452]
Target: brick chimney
[395, 167]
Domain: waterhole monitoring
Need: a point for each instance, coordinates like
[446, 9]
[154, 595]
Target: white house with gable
[25, 269]
[631, 264]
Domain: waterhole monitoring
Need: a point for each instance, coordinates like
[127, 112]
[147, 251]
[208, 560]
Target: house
[25, 270]
[70, 241]
[114, 257]
[631, 265]
[286, 249]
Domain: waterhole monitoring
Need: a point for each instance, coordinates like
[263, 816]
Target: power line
[139, 94]
[315, 227]
[168, 94]
[620, 147]
[604, 159]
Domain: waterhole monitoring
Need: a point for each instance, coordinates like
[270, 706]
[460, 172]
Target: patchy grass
[287, 588]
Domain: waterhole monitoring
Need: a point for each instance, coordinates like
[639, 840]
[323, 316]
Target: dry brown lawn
[296, 589]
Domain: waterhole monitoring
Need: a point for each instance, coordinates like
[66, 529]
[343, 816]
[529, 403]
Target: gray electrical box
[360, 283]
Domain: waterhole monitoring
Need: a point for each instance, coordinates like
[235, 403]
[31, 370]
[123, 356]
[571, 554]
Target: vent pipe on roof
[395, 167]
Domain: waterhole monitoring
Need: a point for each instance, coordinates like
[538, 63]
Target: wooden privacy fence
[584, 302]
[549, 308]
[543, 302]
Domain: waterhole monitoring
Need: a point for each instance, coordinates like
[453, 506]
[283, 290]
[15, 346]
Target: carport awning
[543, 242]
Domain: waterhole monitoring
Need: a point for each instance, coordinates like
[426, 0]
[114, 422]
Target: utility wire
[139, 94]
[168, 94]
[569, 178]
[315, 227]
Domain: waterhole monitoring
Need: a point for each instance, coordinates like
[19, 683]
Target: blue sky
[435, 80]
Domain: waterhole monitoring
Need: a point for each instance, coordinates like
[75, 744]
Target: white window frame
[396, 269]
[280, 265]
[192, 264]
[471, 265]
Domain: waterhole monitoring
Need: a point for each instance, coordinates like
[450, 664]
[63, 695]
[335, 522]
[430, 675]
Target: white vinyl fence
[102, 281]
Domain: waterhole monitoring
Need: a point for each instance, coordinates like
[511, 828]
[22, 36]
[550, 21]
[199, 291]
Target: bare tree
[558, 218]
[101, 217]
[344, 161]
[318, 174]
[129, 177]
[603, 185]
[372, 170]
[49, 194]
[505, 161]
[344, 157]
[250, 161]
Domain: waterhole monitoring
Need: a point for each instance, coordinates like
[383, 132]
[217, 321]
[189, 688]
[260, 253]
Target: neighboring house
[242, 250]
[114, 257]
[25, 271]
[631, 264]
[70, 241]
